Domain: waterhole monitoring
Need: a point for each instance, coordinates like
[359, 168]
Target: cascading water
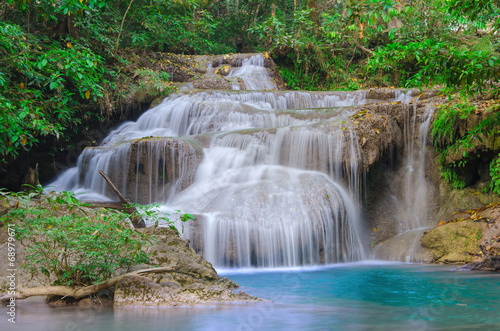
[254, 74]
[411, 189]
[274, 177]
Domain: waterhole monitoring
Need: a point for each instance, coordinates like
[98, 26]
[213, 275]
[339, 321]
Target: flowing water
[273, 177]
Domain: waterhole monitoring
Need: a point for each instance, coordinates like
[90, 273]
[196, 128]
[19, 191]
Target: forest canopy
[64, 63]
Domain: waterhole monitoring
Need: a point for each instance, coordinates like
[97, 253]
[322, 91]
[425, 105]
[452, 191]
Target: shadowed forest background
[67, 65]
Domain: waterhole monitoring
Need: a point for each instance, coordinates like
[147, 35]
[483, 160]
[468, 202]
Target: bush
[74, 245]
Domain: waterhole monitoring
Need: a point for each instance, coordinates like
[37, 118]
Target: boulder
[491, 263]
[454, 242]
[133, 291]
[194, 281]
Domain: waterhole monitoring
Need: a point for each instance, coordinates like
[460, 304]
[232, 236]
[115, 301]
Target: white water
[253, 74]
[410, 189]
[274, 177]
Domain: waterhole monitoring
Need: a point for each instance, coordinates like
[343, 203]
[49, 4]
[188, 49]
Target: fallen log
[77, 292]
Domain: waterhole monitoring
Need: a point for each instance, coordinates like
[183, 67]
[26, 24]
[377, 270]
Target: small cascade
[195, 113]
[254, 75]
[145, 170]
[415, 184]
[410, 189]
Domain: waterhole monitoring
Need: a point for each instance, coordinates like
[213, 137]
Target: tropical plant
[71, 244]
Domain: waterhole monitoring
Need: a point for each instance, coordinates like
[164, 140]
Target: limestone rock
[404, 247]
[454, 242]
[215, 83]
[194, 281]
[464, 199]
[489, 264]
[141, 291]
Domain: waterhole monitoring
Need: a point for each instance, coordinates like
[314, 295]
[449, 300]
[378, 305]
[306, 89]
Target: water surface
[358, 296]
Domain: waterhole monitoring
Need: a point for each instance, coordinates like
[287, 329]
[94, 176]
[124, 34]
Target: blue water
[364, 296]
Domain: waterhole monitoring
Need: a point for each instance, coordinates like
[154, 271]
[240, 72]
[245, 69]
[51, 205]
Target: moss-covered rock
[455, 200]
[454, 242]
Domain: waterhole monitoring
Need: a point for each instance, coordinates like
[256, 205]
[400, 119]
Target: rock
[404, 247]
[172, 161]
[455, 200]
[488, 264]
[216, 83]
[223, 70]
[194, 282]
[141, 291]
[454, 242]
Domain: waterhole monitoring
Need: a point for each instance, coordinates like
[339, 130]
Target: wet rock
[236, 60]
[223, 70]
[141, 291]
[156, 167]
[390, 93]
[215, 83]
[491, 263]
[405, 247]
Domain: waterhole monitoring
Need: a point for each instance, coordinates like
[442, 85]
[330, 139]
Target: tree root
[77, 292]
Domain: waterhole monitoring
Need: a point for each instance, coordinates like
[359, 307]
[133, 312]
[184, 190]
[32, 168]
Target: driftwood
[77, 292]
[123, 204]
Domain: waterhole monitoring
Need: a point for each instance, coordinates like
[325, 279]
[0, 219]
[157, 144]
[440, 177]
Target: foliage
[449, 174]
[305, 50]
[73, 245]
[448, 139]
[61, 62]
[152, 214]
[495, 174]
[443, 47]
[155, 83]
[45, 88]
[428, 62]
[445, 125]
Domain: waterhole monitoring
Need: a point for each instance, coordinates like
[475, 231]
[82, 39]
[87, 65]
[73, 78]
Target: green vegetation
[71, 244]
[66, 65]
[445, 125]
[452, 135]
[495, 175]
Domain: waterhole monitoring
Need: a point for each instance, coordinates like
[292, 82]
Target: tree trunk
[313, 5]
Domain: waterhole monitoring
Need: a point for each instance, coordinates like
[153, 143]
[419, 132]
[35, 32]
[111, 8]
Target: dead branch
[77, 292]
[137, 220]
[365, 50]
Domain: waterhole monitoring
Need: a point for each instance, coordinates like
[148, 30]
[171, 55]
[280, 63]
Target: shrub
[72, 244]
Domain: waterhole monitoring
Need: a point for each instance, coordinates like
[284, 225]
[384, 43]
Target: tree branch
[121, 27]
[137, 220]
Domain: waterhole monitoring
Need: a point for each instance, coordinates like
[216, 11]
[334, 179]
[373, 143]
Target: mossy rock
[454, 242]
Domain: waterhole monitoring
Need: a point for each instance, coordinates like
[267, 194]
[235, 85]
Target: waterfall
[410, 188]
[274, 177]
[254, 74]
